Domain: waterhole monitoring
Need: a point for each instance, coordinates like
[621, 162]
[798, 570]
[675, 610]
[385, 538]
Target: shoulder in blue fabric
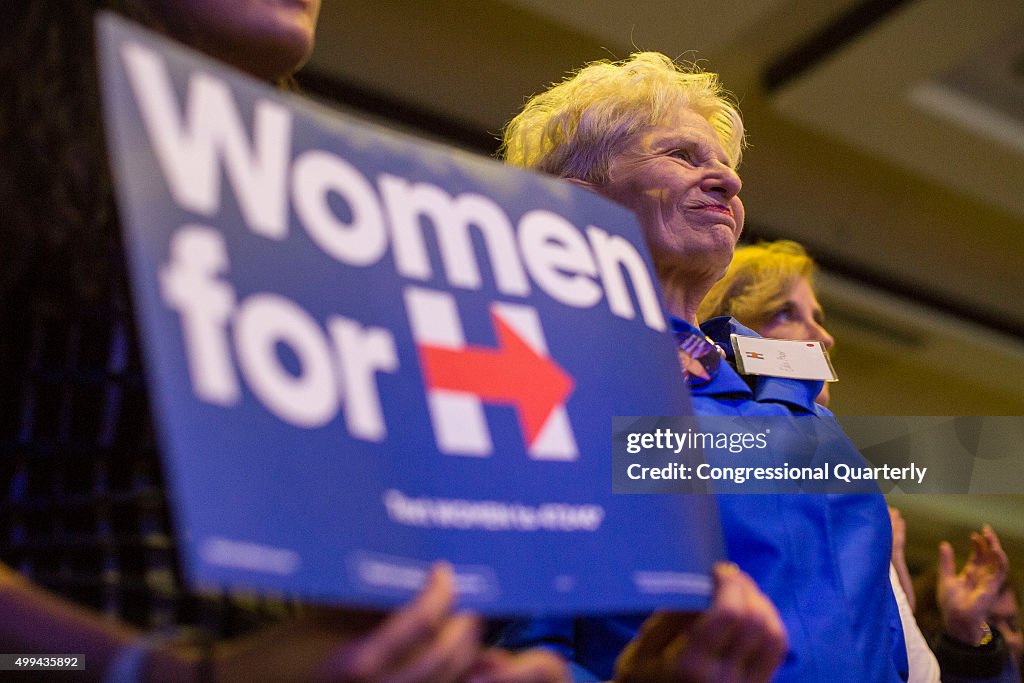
[799, 394]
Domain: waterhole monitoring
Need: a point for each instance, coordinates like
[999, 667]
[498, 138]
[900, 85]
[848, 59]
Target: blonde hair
[757, 282]
[572, 129]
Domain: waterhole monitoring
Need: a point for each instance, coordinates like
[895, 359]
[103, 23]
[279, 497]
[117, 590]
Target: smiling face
[268, 38]
[676, 178]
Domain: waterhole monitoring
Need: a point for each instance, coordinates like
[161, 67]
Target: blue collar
[797, 393]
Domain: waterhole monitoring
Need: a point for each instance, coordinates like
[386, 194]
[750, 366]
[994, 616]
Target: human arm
[965, 663]
[36, 621]
[899, 557]
[422, 641]
[967, 649]
[664, 646]
[965, 597]
[739, 639]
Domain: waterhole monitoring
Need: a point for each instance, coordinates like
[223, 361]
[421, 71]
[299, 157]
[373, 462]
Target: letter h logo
[460, 378]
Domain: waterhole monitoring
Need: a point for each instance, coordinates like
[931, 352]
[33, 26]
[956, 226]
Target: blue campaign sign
[368, 353]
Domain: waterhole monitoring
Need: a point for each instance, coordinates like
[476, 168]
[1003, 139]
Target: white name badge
[783, 358]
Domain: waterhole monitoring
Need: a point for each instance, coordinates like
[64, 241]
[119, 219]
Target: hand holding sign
[740, 638]
[366, 355]
[421, 642]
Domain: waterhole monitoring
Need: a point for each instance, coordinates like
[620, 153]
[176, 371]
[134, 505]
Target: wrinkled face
[1003, 616]
[676, 178]
[268, 38]
[799, 317]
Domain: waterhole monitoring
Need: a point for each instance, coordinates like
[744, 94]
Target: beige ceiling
[873, 156]
[896, 156]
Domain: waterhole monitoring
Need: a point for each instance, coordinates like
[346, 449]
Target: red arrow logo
[512, 374]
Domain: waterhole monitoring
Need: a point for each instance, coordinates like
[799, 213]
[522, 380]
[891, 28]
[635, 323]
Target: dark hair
[56, 200]
[82, 505]
[57, 211]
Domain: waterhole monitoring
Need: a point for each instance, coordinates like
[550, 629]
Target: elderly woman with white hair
[666, 141]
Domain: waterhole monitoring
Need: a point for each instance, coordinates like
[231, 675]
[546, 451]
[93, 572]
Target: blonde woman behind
[769, 287]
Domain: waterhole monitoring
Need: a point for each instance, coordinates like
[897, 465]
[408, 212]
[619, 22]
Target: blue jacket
[823, 559]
